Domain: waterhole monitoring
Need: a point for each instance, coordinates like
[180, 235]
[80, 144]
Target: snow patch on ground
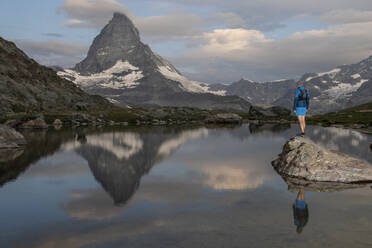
[108, 78]
[355, 76]
[343, 89]
[331, 74]
[188, 85]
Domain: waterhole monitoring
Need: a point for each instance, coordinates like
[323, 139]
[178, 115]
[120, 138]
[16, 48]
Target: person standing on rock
[301, 105]
[300, 211]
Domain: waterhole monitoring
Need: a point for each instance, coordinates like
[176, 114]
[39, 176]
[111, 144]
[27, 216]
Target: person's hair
[300, 83]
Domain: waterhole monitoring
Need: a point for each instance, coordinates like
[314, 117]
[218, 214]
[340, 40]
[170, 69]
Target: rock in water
[10, 138]
[57, 122]
[302, 158]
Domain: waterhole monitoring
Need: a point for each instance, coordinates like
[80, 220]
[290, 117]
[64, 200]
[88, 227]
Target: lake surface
[174, 187]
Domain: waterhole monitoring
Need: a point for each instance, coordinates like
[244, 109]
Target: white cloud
[91, 13]
[54, 52]
[233, 52]
[175, 24]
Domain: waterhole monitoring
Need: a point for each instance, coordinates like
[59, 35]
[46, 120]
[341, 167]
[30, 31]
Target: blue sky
[208, 40]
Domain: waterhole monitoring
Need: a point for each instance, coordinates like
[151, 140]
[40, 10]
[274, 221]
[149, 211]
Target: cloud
[225, 55]
[57, 35]
[229, 18]
[54, 52]
[346, 16]
[175, 25]
[91, 13]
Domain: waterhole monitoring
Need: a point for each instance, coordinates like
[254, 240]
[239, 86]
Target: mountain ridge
[342, 87]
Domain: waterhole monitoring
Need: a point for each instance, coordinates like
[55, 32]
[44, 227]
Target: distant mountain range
[343, 87]
[127, 72]
[27, 86]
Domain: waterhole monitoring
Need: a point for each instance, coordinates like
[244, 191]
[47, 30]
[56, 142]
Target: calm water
[174, 187]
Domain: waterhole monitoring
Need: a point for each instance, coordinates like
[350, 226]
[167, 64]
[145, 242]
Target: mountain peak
[117, 40]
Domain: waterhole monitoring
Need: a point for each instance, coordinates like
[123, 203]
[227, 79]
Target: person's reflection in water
[300, 211]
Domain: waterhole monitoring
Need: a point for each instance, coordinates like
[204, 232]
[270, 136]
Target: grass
[361, 115]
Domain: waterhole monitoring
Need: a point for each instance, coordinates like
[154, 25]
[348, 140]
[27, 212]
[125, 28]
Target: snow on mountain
[122, 75]
[344, 89]
[331, 74]
[188, 85]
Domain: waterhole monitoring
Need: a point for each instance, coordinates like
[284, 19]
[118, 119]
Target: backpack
[303, 95]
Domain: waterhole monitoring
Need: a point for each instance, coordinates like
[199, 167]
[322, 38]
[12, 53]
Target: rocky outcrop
[26, 86]
[268, 111]
[302, 158]
[10, 138]
[224, 118]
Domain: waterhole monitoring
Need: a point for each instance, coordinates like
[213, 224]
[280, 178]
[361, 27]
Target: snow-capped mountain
[126, 71]
[342, 87]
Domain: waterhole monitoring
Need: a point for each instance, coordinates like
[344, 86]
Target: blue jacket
[301, 103]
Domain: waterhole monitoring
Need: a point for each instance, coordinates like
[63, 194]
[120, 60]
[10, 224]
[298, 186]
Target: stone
[10, 138]
[302, 158]
[37, 123]
[224, 118]
[57, 122]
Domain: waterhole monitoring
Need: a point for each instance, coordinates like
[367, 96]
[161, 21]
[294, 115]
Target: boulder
[302, 158]
[268, 111]
[57, 122]
[37, 123]
[224, 118]
[10, 138]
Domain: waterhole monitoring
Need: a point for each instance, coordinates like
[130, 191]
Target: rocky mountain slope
[27, 86]
[127, 72]
[343, 87]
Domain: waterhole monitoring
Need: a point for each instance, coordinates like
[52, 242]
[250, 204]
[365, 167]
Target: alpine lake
[192, 186]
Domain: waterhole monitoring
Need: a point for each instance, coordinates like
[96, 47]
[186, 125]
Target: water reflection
[118, 160]
[176, 188]
[300, 211]
[39, 145]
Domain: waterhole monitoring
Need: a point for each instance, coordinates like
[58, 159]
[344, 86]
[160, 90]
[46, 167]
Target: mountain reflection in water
[118, 160]
[176, 187]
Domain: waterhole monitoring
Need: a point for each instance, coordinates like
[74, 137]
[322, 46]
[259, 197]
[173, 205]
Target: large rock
[302, 158]
[224, 118]
[10, 138]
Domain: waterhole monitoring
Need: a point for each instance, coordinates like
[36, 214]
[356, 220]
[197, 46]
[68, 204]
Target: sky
[212, 41]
